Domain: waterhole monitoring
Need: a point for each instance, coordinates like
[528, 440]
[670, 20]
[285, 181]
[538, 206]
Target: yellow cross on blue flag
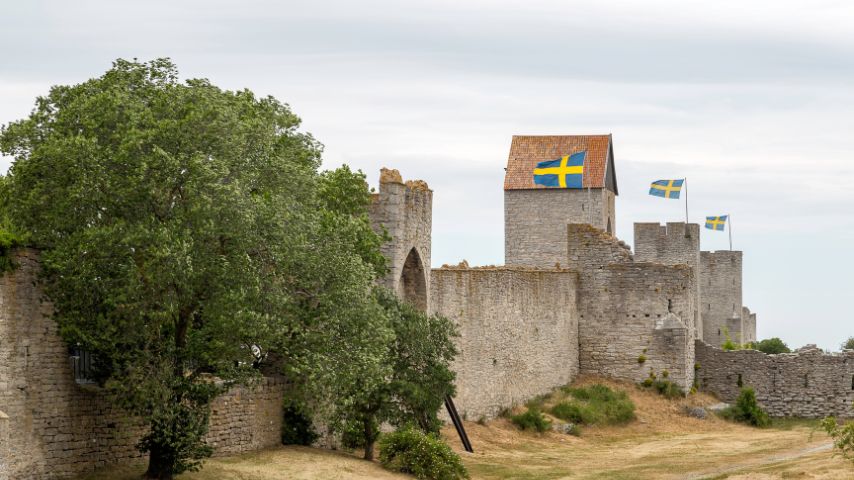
[565, 172]
[716, 223]
[666, 188]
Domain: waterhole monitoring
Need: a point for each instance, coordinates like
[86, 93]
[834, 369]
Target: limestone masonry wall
[518, 333]
[405, 210]
[535, 222]
[720, 276]
[57, 428]
[624, 307]
[748, 324]
[808, 383]
[675, 243]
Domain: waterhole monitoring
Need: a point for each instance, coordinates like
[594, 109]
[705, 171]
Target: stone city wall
[675, 243]
[405, 210]
[808, 383]
[58, 429]
[623, 306]
[518, 333]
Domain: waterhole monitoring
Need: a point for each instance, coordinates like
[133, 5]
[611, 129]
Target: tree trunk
[369, 438]
[159, 465]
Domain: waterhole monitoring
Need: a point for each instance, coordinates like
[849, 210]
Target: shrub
[570, 412]
[746, 410]
[771, 345]
[425, 456]
[642, 358]
[596, 404]
[849, 344]
[532, 419]
[842, 435]
[663, 386]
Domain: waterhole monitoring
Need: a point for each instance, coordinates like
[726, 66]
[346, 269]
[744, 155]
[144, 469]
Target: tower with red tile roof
[535, 216]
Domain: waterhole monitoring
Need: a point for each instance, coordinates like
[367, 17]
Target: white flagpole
[685, 186]
[729, 228]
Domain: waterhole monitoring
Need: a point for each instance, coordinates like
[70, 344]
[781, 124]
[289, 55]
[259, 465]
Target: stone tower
[405, 210]
[535, 217]
[676, 243]
[721, 308]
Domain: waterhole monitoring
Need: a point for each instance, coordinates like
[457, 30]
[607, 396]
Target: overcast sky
[753, 102]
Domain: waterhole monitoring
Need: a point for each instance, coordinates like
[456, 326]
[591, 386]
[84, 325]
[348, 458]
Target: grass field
[661, 444]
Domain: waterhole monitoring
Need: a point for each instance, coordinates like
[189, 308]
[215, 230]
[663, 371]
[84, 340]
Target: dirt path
[768, 461]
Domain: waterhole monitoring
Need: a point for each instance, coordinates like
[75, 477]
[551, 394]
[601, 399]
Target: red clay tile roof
[526, 151]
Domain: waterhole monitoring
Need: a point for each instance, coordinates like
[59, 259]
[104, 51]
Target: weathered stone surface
[535, 222]
[56, 428]
[622, 302]
[518, 333]
[721, 308]
[809, 383]
[405, 211]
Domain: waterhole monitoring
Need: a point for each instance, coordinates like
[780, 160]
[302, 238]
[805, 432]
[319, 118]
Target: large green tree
[181, 225]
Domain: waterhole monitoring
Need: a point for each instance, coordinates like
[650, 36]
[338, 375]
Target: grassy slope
[661, 444]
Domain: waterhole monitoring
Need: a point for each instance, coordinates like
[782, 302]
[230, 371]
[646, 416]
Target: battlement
[672, 243]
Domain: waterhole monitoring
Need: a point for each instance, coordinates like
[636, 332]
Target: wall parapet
[808, 383]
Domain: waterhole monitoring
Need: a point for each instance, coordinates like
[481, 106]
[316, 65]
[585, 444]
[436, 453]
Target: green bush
[425, 456]
[771, 345]
[596, 404]
[849, 344]
[570, 412]
[746, 410]
[663, 386]
[842, 435]
[532, 419]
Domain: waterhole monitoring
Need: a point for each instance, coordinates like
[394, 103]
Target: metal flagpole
[729, 228]
[685, 186]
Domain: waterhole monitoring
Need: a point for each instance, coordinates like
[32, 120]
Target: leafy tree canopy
[772, 345]
[181, 225]
[848, 344]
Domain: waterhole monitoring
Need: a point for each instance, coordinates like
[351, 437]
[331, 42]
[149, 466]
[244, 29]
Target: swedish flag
[666, 188]
[716, 223]
[565, 172]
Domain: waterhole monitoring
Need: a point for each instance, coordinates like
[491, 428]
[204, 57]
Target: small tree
[772, 346]
[848, 344]
[420, 352]
[842, 435]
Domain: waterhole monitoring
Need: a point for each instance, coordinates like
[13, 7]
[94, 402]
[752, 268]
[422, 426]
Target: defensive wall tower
[405, 210]
[721, 308]
[748, 332]
[535, 217]
[675, 243]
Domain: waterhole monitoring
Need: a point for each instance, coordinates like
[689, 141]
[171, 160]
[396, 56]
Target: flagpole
[729, 228]
[685, 181]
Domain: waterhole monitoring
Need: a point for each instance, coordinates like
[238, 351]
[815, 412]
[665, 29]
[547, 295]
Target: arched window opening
[413, 285]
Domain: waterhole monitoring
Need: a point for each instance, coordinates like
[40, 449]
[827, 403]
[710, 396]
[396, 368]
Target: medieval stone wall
[624, 307]
[405, 210]
[57, 428]
[518, 333]
[535, 222]
[675, 243]
[720, 277]
[808, 383]
[748, 325]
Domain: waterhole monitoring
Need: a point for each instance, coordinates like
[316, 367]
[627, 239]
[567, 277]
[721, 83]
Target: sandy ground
[662, 444]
